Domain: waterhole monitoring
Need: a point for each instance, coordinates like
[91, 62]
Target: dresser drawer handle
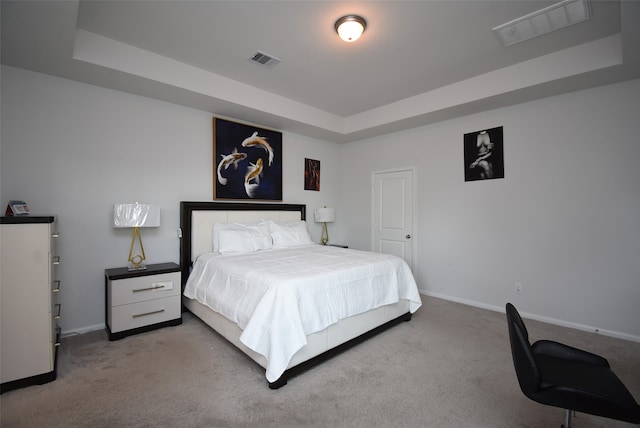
[55, 235]
[57, 344]
[59, 306]
[155, 287]
[56, 285]
[159, 311]
[56, 260]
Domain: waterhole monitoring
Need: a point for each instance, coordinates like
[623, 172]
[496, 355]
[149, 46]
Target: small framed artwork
[17, 208]
[311, 174]
[483, 155]
[247, 162]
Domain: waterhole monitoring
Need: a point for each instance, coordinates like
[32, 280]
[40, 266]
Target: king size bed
[251, 272]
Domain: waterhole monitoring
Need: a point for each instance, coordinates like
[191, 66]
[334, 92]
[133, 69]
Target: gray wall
[564, 222]
[73, 150]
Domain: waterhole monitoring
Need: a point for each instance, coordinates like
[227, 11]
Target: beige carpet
[448, 367]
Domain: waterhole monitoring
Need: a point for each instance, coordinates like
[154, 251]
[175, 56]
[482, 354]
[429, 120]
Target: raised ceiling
[418, 61]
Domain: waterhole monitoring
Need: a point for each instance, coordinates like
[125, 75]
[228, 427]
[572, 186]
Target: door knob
[408, 236]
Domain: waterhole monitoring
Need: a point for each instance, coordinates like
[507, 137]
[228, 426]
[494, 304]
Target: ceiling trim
[104, 52]
[59, 48]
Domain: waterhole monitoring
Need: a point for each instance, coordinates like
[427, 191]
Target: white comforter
[279, 296]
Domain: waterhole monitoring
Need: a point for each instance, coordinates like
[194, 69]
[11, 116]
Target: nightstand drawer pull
[155, 287]
[56, 286]
[59, 306]
[159, 311]
[56, 260]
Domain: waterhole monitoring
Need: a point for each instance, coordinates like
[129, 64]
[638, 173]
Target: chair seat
[585, 388]
[560, 375]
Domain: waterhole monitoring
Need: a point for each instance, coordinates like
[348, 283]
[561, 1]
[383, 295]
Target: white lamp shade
[325, 215]
[136, 215]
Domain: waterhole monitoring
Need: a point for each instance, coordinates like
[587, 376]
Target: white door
[393, 213]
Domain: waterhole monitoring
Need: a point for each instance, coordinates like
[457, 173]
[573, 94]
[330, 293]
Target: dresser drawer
[143, 288]
[140, 314]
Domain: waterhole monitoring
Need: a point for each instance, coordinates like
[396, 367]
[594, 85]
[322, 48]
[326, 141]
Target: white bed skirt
[317, 343]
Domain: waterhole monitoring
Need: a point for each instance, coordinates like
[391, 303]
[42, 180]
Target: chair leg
[567, 419]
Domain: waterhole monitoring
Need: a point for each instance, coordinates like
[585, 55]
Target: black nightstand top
[155, 269]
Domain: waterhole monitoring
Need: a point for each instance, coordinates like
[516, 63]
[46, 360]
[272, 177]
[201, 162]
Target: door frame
[414, 214]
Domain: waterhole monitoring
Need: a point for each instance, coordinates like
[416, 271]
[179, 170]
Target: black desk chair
[561, 376]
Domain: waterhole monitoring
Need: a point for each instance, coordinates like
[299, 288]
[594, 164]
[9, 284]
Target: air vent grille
[554, 17]
[264, 59]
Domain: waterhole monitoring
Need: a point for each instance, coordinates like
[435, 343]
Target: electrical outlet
[518, 288]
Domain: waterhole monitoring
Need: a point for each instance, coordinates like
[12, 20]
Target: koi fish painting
[247, 162]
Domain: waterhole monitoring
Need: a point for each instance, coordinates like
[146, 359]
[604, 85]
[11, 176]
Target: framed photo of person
[484, 155]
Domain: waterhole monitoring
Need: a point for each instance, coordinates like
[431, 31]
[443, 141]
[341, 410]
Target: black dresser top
[24, 219]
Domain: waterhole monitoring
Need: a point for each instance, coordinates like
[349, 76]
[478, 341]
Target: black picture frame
[484, 154]
[247, 162]
[311, 174]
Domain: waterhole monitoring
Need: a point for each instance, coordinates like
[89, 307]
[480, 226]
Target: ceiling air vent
[264, 59]
[554, 17]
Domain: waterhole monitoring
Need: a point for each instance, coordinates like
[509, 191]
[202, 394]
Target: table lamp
[325, 215]
[136, 216]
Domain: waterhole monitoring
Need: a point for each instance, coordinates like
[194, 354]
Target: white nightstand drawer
[143, 288]
[134, 315]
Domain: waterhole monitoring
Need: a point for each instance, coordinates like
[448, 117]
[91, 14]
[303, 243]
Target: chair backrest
[523, 358]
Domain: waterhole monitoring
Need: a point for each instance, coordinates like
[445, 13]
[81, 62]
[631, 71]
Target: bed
[278, 332]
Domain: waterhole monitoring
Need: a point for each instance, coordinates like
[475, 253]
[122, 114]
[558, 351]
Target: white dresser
[29, 335]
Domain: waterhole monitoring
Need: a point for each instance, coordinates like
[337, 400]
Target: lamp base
[136, 261]
[325, 234]
[139, 267]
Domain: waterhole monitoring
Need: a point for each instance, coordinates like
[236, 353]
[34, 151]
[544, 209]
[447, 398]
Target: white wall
[73, 150]
[563, 221]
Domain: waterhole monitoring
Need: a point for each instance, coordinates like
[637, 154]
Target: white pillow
[235, 241]
[259, 226]
[290, 234]
[243, 241]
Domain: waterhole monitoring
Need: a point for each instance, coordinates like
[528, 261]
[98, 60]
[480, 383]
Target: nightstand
[338, 245]
[142, 300]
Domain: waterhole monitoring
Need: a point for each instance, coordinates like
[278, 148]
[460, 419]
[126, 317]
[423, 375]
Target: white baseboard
[494, 308]
[583, 327]
[83, 330]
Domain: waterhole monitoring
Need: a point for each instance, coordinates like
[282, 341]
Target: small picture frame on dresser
[17, 208]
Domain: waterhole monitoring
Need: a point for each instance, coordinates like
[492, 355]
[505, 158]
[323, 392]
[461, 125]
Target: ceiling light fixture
[350, 27]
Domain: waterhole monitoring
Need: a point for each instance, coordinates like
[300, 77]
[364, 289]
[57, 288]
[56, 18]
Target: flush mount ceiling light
[350, 27]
